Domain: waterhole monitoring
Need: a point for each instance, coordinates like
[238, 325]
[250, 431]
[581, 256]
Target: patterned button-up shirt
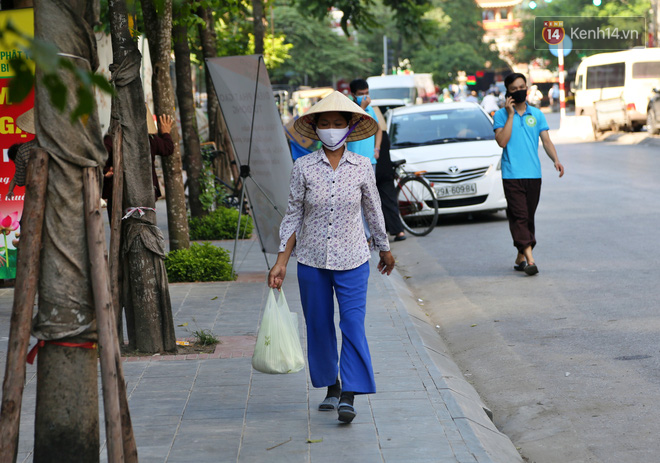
[324, 211]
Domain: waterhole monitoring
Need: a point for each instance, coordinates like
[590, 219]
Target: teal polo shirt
[367, 146]
[520, 158]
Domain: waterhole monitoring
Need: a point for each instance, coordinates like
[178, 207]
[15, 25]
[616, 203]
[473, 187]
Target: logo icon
[553, 32]
[453, 170]
[530, 121]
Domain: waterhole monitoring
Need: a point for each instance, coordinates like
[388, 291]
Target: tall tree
[145, 289]
[66, 374]
[208, 41]
[184, 95]
[258, 25]
[158, 28]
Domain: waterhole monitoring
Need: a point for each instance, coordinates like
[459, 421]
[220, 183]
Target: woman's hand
[386, 264]
[276, 276]
[165, 123]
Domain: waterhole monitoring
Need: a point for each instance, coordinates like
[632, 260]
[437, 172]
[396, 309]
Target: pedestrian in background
[19, 153]
[491, 102]
[370, 146]
[518, 127]
[160, 144]
[328, 190]
[385, 184]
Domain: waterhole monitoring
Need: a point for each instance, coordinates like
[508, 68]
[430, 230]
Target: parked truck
[410, 88]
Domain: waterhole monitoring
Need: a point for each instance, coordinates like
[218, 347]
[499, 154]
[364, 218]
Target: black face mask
[518, 96]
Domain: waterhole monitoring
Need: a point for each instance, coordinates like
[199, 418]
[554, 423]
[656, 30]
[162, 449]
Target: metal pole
[384, 55]
[562, 92]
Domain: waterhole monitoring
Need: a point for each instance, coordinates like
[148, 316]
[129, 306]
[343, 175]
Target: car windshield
[441, 126]
[406, 94]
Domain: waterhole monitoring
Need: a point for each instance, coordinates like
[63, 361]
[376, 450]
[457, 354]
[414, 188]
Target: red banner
[11, 209]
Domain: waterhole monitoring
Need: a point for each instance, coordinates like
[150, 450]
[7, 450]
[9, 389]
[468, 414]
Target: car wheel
[651, 122]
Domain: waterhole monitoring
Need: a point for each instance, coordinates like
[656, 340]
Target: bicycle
[416, 200]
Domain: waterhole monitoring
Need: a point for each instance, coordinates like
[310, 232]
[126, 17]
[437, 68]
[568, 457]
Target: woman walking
[323, 223]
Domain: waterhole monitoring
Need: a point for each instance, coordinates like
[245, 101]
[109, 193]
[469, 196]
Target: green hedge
[201, 262]
[219, 225]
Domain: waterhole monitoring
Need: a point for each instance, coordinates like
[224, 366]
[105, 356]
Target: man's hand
[276, 276]
[509, 104]
[386, 264]
[559, 168]
[165, 123]
[10, 195]
[366, 101]
[109, 173]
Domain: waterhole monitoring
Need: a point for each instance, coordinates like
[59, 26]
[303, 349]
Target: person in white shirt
[490, 103]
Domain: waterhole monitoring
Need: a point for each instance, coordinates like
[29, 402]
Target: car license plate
[456, 190]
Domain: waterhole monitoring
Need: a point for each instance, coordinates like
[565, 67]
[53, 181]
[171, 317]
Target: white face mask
[333, 139]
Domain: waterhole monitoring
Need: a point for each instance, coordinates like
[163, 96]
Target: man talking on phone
[518, 127]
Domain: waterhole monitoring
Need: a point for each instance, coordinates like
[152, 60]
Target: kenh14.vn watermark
[590, 32]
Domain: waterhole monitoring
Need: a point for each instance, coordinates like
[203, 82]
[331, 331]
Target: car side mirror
[655, 90]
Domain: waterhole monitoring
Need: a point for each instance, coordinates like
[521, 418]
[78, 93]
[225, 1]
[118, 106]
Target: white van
[411, 88]
[630, 75]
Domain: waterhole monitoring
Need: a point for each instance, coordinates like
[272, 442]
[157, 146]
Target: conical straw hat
[151, 125]
[336, 101]
[25, 121]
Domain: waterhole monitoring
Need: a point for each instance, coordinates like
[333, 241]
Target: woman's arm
[278, 272]
[373, 212]
[291, 223]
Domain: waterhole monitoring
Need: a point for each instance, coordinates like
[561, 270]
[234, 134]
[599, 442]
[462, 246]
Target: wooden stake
[111, 371]
[115, 221]
[130, 447]
[27, 277]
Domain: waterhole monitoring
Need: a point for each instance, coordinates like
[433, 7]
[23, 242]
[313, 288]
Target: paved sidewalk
[215, 408]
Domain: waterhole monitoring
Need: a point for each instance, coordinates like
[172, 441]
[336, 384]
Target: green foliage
[45, 55]
[200, 262]
[318, 55]
[606, 17]
[220, 224]
[213, 193]
[205, 338]
[408, 15]
[457, 44]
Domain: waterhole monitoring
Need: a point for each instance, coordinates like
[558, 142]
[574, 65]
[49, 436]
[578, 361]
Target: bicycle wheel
[418, 206]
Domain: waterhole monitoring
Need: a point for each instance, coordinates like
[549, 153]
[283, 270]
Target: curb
[472, 417]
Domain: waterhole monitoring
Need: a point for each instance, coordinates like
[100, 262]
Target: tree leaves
[53, 66]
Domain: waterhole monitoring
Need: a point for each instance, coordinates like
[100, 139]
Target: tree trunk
[146, 294]
[66, 391]
[67, 417]
[208, 40]
[258, 25]
[184, 95]
[158, 28]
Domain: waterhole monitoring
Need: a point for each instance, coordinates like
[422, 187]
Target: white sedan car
[454, 143]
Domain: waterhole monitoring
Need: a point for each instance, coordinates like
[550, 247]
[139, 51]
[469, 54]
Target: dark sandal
[531, 269]
[329, 404]
[346, 412]
[521, 266]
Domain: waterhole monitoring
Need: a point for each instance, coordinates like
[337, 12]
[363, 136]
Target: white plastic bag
[278, 348]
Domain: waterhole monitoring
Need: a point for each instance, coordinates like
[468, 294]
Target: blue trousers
[317, 287]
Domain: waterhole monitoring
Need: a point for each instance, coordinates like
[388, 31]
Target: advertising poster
[253, 120]
[11, 209]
